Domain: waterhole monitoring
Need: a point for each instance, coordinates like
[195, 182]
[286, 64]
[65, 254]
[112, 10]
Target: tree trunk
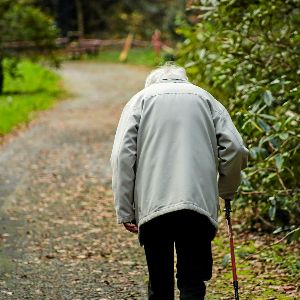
[80, 18]
[1, 75]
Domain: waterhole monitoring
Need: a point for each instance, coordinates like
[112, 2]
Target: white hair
[168, 71]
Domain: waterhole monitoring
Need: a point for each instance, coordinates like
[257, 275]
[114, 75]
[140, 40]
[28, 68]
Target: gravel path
[59, 238]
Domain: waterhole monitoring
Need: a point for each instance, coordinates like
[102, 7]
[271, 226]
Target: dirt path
[57, 220]
[58, 236]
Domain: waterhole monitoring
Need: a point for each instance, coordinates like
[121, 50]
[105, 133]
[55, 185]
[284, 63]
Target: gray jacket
[175, 148]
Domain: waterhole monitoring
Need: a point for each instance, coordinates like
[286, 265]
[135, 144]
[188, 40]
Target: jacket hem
[176, 207]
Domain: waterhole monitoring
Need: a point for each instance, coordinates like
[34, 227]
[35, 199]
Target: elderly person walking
[175, 152]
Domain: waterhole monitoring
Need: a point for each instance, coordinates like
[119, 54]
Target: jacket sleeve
[232, 155]
[123, 160]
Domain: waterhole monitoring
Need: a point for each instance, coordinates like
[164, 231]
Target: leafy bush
[248, 54]
[20, 21]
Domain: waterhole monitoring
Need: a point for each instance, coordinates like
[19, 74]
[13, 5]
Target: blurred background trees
[36, 24]
[248, 54]
[115, 18]
[22, 22]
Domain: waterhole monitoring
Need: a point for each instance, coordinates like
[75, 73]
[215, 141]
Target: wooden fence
[70, 47]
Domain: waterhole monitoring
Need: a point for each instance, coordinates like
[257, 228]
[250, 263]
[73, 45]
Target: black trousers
[191, 233]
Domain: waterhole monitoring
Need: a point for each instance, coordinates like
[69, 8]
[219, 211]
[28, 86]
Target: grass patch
[263, 272]
[136, 56]
[35, 88]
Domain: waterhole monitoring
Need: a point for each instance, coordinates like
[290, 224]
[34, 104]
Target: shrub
[22, 22]
[248, 53]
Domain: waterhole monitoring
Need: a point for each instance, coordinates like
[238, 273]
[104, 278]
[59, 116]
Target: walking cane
[234, 276]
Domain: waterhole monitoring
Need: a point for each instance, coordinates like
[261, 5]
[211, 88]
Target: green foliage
[116, 18]
[34, 88]
[21, 21]
[248, 53]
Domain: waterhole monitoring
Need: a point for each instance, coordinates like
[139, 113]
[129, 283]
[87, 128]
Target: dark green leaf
[272, 212]
[268, 97]
[279, 161]
[263, 125]
[226, 260]
[284, 135]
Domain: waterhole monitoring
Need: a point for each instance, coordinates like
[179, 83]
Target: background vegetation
[248, 54]
[25, 32]
[32, 88]
[22, 22]
[136, 56]
[115, 18]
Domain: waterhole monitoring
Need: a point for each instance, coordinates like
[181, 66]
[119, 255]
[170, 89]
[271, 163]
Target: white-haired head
[168, 71]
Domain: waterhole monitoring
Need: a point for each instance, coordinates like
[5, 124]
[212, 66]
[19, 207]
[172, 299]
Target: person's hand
[131, 227]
